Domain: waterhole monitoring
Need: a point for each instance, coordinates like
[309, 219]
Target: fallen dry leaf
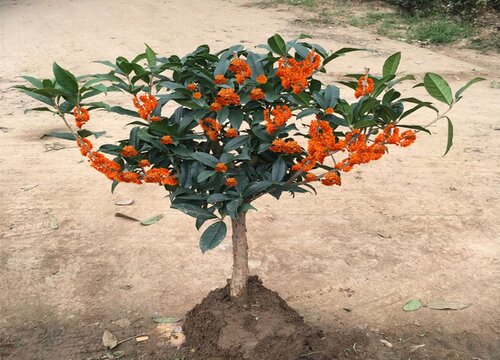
[141, 338]
[447, 305]
[126, 216]
[124, 202]
[53, 222]
[109, 340]
[387, 343]
[173, 333]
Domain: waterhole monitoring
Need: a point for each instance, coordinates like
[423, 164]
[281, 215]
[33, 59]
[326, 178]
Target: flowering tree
[247, 124]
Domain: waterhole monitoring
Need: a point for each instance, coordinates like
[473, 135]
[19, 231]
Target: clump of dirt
[262, 326]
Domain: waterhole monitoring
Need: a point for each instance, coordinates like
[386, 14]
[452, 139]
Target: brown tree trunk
[240, 256]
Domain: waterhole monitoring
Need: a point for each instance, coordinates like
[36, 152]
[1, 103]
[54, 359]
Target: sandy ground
[414, 225]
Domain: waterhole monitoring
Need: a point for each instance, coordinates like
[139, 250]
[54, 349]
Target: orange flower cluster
[215, 106]
[281, 114]
[144, 163]
[309, 177]
[166, 140]
[261, 79]
[391, 135]
[294, 74]
[322, 140]
[81, 116]
[232, 133]
[220, 79]
[85, 145]
[110, 168]
[211, 127]
[331, 178]
[363, 89]
[129, 151]
[257, 94]
[221, 167]
[241, 69]
[227, 97]
[231, 182]
[287, 147]
[329, 110]
[197, 95]
[149, 103]
[160, 176]
[130, 177]
[359, 151]
[191, 87]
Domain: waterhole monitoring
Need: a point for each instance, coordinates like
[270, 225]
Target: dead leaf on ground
[447, 305]
[123, 323]
[109, 340]
[126, 216]
[141, 338]
[152, 220]
[173, 333]
[53, 222]
[54, 147]
[165, 320]
[384, 234]
[124, 202]
[27, 188]
[387, 343]
[415, 348]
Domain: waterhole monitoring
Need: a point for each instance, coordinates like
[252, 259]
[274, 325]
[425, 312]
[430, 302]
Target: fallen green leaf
[152, 220]
[412, 305]
[126, 217]
[53, 222]
[447, 305]
[165, 320]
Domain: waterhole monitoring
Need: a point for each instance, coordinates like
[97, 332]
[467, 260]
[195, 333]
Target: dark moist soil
[260, 326]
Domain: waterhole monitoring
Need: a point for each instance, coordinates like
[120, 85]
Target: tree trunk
[240, 256]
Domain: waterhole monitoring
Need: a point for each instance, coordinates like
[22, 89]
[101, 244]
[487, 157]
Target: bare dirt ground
[414, 225]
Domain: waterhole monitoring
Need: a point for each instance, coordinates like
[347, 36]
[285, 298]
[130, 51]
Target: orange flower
[261, 79]
[241, 69]
[191, 87]
[166, 140]
[231, 182]
[294, 74]
[146, 105]
[364, 88]
[111, 169]
[227, 97]
[81, 116]
[197, 95]
[331, 178]
[257, 94]
[130, 177]
[321, 140]
[281, 114]
[155, 118]
[129, 151]
[231, 133]
[160, 176]
[305, 165]
[329, 110]
[85, 145]
[221, 167]
[211, 127]
[215, 107]
[144, 163]
[288, 147]
[220, 79]
[310, 177]
[407, 138]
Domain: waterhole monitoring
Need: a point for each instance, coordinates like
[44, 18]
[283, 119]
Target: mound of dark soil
[262, 327]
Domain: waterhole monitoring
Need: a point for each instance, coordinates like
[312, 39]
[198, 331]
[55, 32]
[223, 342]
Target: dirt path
[414, 225]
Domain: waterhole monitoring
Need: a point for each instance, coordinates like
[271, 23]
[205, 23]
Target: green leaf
[438, 88]
[279, 170]
[150, 56]
[339, 53]
[33, 81]
[236, 143]
[65, 136]
[466, 86]
[194, 211]
[213, 236]
[205, 158]
[39, 109]
[449, 143]
[257, 187]
[165, 320]
[306, 112]
[66, 79]
[204, 175]
[412, 305]
[152, 220]
[218, 197]
[277, 44]
[391, 64]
